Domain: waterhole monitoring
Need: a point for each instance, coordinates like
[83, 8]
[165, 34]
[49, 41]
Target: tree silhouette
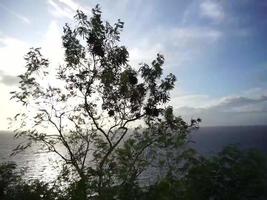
[112, 119]
[232, 174]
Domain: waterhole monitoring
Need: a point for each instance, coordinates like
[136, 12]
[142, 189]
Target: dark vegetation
[116, 127]
[232, 174]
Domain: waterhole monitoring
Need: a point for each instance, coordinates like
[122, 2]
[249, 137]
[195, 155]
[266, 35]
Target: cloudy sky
[216, 48]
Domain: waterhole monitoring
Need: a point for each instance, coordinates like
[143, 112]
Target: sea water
[206, 140]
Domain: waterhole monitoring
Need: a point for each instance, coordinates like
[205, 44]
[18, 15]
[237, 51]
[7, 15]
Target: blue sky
[216, 48]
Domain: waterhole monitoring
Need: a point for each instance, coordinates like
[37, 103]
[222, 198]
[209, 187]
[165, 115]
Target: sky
[216, 48]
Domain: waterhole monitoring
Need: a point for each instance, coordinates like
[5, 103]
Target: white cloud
[248, 109]
[17, 15]
[254, 92]
[11, 64]
[65, 8]
[190, 100]
[8, 79]
[195, 34]
[12, 52]
[179, 45]
[144, 54]
[212, 9]
[60, 11]
[71, 4]
[51, 44]
[7, 108]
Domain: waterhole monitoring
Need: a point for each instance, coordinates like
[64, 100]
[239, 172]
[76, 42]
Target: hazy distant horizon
[215, 126]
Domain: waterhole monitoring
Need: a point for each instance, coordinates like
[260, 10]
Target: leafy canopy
[105, 114]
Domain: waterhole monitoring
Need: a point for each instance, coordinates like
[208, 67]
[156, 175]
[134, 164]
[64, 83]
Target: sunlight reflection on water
[44, 166]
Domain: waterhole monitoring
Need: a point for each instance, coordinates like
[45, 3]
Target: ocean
[211, 140]
[206, 140]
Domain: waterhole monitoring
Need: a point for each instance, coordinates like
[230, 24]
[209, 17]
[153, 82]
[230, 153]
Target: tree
[232, 174]
[112, 119]
[7, 176]
[12, 186]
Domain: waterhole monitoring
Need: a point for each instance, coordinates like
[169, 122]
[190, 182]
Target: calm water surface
[207, 141]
